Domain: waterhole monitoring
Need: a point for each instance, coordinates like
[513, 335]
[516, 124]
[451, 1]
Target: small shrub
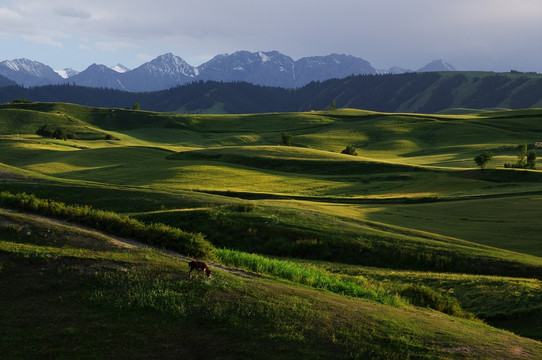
[22, 101]
[421, 295]
[350, 150]
[244, 207]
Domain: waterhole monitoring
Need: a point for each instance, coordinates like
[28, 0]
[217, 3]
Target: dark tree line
[388, 93]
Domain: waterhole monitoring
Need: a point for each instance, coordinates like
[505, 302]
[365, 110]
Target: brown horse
[199, 266]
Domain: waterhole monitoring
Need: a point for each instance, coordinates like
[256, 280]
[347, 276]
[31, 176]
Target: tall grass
[413, 294]
[157, 234]
[303, 275]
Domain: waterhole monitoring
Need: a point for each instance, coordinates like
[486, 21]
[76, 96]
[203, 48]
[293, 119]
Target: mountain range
[166, 71]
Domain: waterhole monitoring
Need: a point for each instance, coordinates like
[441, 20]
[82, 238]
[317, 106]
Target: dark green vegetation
[450, 92]
[4, 81]
[407, 250]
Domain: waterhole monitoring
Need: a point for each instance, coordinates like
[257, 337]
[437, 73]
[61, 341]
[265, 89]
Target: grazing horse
[199, 266]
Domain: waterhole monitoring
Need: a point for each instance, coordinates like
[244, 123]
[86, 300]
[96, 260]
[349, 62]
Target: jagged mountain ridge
[260, 68]
[166, 71]
[29, 73]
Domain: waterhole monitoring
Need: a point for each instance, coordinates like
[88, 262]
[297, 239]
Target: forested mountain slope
[411, 92]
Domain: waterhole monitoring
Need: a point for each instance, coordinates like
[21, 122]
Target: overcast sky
[496, 35]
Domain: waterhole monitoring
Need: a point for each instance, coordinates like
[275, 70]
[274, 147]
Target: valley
[406, 250]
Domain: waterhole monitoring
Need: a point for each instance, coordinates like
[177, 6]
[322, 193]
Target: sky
[488, 35]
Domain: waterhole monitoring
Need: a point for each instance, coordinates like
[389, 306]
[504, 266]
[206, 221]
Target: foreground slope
[94, 290]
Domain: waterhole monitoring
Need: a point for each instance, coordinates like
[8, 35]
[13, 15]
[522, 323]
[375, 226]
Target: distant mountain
[334, 66]
[275, 69]
[437, 65]
[397, 70]
[99, 76]
[261, 68]
[29, 73]
[166, 71]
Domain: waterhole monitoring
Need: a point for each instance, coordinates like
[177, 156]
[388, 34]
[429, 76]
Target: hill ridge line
[130, 243]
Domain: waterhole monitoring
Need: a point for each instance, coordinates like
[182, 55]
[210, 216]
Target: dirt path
[130, 243]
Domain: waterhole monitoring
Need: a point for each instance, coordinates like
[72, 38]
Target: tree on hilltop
[482, 159]
[287, 139]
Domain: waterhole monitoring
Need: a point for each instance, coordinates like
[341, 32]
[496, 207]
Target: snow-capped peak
[32, 67]
[169, 65]
[120, 68]
[264, 56]
[67, 73]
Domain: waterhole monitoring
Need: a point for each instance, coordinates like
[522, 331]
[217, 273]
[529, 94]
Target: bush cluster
[525, 161]
[57, 133]
[350, 150]
[156, 234]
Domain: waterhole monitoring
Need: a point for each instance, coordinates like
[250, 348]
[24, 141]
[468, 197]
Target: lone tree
[522, 154]
[136, 106]
[482, 159]
[287, 139]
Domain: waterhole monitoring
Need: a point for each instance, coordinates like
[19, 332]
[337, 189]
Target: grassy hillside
[410, 219]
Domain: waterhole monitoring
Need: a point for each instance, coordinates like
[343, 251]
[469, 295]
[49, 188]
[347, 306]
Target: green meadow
[407, 250]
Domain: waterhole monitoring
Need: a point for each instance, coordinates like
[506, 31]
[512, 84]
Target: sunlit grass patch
[302, 275]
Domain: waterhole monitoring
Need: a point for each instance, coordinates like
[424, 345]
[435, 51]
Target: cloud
[11, 22]
[385, 32]
[40, 39]
[114, 45]
[71, 12]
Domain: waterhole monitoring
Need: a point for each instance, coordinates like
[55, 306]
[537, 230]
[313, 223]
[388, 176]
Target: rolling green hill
[411, 222]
